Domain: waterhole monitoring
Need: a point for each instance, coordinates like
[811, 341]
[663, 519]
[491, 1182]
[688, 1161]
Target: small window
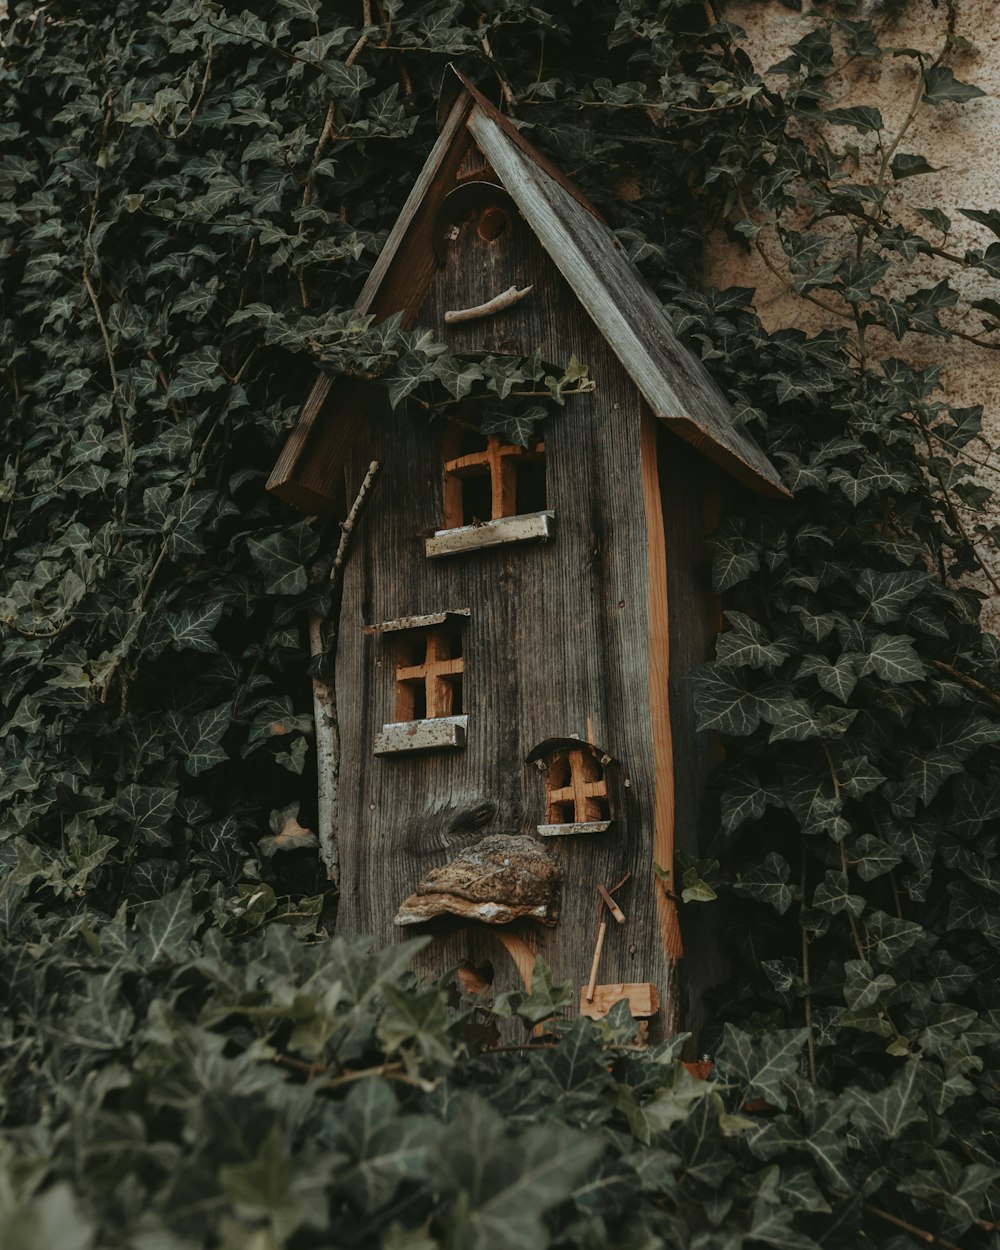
[494, 493]
[487, 479]
[575, 789]
[429, 671]
[577, 794]
[429, 668]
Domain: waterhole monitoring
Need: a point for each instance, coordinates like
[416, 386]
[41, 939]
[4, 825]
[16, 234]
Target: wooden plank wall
[557, 644]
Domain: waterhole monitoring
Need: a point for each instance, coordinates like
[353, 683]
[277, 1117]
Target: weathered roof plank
[674, 382]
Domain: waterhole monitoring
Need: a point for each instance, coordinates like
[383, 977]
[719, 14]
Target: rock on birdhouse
[499, 880]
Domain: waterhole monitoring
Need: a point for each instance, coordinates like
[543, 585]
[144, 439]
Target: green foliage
[192, 195]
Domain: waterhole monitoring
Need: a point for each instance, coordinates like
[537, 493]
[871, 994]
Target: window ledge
[404, 624]
[562, 831]
[531, 527]
[439, 733]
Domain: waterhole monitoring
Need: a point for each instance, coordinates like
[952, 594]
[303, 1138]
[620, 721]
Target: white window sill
[437, 734]
[531, 527]
[563, 831]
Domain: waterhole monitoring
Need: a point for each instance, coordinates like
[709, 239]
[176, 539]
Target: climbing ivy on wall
[192, 193]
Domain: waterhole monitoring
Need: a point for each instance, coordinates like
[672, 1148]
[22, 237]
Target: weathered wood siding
[557, 644]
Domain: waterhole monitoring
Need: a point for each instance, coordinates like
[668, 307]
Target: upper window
[486, 478]
[494, 493]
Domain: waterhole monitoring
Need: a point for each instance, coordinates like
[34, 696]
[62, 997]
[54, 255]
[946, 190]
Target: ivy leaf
[936, 218]
[187, 515]
[282, 556]
[863, 989]
[833, 895]
[458, 376]
[267, 1186]
[892, 657]
[199, 371]
[516, 427]
[546, 999]
[768, 883]
[744, 644]
[774, 1225]
[149, 810]
[887, 1112]
[838, 679]
[166, 928]
[745, 799]
[417, 1019]
[763, 1066]
[506, 1182]
[906, 165]
[191, 629]
[889, 593]
[889, 937]
[940, 84]
[792, 718]
[864, 118]
[199, 737]
[696, 890]
[990, 218]
[53, 1218]
[379, 1148]
[873, 857]
[735, 559]
[407, 374]
[725, 706]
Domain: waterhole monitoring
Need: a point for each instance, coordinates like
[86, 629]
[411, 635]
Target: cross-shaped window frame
[437, 676]
[427, 667]
[499, 460]
[575, 779]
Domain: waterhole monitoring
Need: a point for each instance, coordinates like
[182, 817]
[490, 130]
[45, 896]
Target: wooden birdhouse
[519, 759]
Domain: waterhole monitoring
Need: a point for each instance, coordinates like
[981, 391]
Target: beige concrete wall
[962, 142]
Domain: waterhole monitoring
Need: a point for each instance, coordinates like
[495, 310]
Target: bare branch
[506, 299]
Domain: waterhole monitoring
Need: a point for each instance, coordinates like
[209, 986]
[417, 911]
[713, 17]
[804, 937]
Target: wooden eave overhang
[675, 384]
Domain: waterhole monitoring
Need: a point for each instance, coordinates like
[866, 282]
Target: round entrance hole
[493, 221]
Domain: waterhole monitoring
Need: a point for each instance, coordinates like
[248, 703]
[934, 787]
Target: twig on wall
[506, 299]
[324, 688]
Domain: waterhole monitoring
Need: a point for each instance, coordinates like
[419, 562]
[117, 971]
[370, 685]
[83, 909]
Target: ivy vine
[192, 194]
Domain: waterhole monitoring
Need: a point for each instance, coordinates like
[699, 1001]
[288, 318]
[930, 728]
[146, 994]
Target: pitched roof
[674, 382]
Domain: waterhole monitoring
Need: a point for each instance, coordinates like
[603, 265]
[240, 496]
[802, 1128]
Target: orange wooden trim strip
[659, 673]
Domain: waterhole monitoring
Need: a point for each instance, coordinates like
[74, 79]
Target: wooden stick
[601, 934]
[602, 930]
[506, 299]
[325, 693]
[347, 526]
[611, 905]
[922, 1233]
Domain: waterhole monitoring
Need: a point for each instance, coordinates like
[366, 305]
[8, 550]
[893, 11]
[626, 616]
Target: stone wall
[960, 141]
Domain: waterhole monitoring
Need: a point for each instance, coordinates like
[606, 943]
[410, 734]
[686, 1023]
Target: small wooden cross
[585, 790]
[500, 461]
[439, 673]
